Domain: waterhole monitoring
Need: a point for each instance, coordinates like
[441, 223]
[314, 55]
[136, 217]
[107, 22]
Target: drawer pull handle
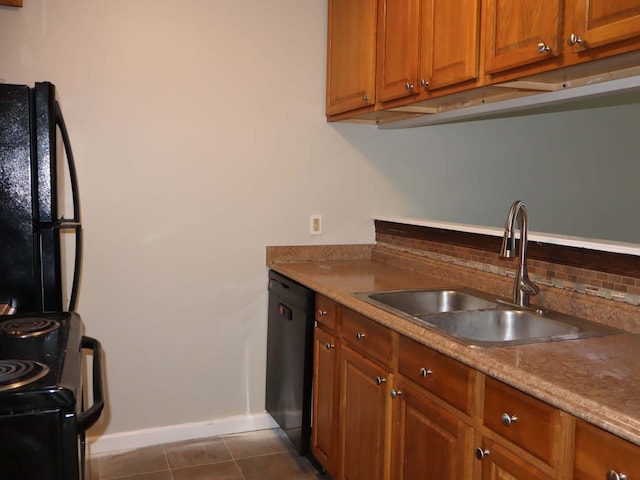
[424, 373]
[322, 313]
[508, 419]
[613, 475]
[395, 393]
[380, 380]
[408, 86]
[366, 98]
[329, 346]
[360, 336]
[481, 453]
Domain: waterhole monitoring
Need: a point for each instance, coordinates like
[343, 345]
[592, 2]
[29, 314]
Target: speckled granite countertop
[596, 379]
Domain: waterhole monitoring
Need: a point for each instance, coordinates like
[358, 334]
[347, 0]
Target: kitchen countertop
[596, 379]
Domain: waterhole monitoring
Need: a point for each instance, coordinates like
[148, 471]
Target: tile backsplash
[606, 298]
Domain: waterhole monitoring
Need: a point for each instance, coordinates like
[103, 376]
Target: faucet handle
[528, 286]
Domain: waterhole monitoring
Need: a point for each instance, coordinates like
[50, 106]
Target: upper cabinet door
[449, 47]
[351, 58]
[520, 32]
[596, 23]
[398, 42]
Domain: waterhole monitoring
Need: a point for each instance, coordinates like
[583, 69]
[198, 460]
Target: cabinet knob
[395, 393]
[380, 380]
[329, 346]
[366, 98]
[508, 419]
[408, 86]
[543, 48]
[424, 83]
[481, 453]
[424, 372]
[360, 336]
[574, 40]
[613, 475]
[322, 313]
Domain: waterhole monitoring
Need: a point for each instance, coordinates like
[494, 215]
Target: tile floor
[260, 455]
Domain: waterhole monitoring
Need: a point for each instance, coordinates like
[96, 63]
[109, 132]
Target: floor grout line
[245, 450]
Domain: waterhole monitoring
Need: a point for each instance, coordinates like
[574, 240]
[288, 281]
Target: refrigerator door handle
[75, 222]
[71, 162]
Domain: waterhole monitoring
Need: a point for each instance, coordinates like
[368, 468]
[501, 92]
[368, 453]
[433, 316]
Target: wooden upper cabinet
[424, 45]
[398, 41]
[520, 32]
[351, 57]
[449, 43]
[592, 24]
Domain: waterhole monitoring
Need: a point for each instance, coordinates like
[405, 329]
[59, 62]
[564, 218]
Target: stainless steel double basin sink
[477, 319]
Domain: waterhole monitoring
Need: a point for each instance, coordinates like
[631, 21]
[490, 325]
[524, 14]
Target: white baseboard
[175, 433]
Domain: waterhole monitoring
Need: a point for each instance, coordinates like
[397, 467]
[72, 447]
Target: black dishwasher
[290, 358]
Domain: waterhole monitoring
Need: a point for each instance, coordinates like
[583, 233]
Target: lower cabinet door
[499, 463]
[601, 455]
[324, 445]
[427, 441]
[364, 402]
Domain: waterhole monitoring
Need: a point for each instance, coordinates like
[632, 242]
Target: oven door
[29, 446]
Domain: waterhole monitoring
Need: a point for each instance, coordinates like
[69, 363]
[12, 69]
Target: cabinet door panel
[352, 55]
[514, 28]
[362, 417]
[398, 34]
[429, 442]
[598, 452]
[501, 464]
[324, 443]
[601, 22]
[449, 42]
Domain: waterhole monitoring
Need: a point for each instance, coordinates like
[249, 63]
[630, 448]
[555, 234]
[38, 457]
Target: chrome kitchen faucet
[523, 287]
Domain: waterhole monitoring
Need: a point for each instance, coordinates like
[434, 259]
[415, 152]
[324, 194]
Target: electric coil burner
[42, 416]
[28, 327]
[17, 373]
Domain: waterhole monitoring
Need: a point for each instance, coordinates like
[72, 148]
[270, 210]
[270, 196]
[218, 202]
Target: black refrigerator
[37, 177]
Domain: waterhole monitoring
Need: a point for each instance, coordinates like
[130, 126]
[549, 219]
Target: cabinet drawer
[367, 337]
[598, 453]
[529, 423]
[326, 312]
[443, 376]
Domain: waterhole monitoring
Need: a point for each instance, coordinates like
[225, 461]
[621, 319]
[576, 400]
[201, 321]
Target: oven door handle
[91, 415]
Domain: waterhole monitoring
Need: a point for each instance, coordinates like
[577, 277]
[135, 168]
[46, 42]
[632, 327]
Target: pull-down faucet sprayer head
[508, 249]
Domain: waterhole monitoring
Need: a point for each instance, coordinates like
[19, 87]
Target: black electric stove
[42, 417]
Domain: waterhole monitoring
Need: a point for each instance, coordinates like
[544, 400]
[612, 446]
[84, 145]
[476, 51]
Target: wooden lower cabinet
[324, 445]
[500, 463]
[599, 455]
[427, 441]
[388, 408]
[364, 404]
